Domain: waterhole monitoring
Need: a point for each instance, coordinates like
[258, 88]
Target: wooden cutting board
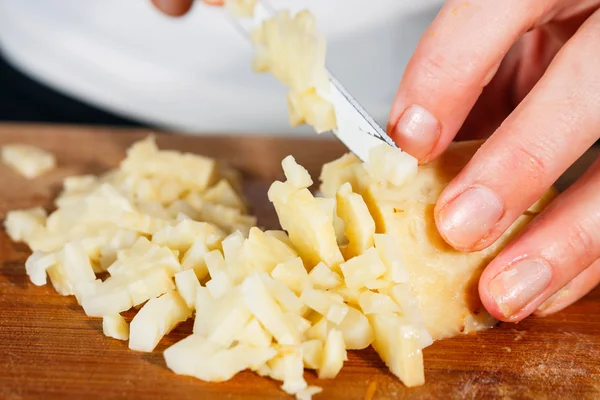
[49, 349]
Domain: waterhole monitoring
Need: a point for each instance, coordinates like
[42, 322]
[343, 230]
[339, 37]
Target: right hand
[177, 8]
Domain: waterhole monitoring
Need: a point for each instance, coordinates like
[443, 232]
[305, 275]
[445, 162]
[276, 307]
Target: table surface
[50, 349]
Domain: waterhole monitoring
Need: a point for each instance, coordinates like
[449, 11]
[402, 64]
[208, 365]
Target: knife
[355, 127]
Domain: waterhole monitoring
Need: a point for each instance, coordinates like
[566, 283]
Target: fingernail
[417, 131]
[518, 285]
[470, 217]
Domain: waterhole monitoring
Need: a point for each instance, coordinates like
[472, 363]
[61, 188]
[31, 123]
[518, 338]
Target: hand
[177, 8]
[539, 93]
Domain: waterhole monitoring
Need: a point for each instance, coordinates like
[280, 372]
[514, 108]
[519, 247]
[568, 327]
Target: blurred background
[116, 62]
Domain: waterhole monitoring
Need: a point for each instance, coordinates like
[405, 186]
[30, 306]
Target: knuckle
[535, 159]
[436, 68]
[583, 241]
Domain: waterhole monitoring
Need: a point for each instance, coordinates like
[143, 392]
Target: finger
[551, 128]
[456, 57]
[583, 283]
[551, 251]
[174, 8]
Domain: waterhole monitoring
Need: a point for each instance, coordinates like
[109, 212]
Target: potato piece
[255, 335]
[324, 278]
[361, 269]
[195, 356]
[37, 264]
[115, 326]
[398, 347]
[29, 161]
[288, 367]
[187, 285]
[194, 259]
[20, 225]
[359, 225]
[323, 303]
[224, 194]
[377, 303]
[231, 316]
[320, 330]
[296, 174]
[391, 165]
[391, 255]
[156, 319]
[293, 274]
[334, 355]
[181, 236]
[268, 312]
[312, 353]
[284, 296]
[310, 228]
[262, 253]
[190, 170]
[356, 330]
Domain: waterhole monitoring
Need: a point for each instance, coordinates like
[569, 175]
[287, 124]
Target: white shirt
[193, 74]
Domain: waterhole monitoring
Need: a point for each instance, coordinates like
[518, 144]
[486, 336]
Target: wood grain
[49, 349]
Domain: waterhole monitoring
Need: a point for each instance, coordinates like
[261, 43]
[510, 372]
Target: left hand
[540, 92]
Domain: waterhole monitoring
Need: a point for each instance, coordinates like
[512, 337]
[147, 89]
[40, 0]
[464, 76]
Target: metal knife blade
[355, 127]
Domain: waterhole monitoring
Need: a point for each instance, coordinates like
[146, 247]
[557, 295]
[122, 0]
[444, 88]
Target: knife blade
[355, 127]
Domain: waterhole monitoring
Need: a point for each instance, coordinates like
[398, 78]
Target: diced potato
[144, 256]
[391, 165]
[20, 225]
[187, 285]
[206, 308]
[268, 312]
[320, 330]
[232, 316]
[190, 170]
[323, 303]
[195, 356]
[312, 354]
[194, 259]
[155, 319]
[366, 267]
[115, 326]
[220, 285]
[359, 226]
[293, 274]
[295, 174]
[300, 324]
[284, 296]
[223, 193]
[148, 284]
[377, 303]
[255, 335]
[108, 302]
[309, 226]
[282, 236]
[322, 277]
[185, 233]
[262, 252]
[29, 161]
[391, 255]
[288, 367]
[334, 355]
[356, 330]
[398, 347]
[37, 264]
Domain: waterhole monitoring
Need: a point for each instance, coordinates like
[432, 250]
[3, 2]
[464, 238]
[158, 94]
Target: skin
[524, 73]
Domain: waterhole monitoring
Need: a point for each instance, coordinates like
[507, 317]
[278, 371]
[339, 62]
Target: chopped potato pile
[293, 51]
[29, 161]
[362, 266]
